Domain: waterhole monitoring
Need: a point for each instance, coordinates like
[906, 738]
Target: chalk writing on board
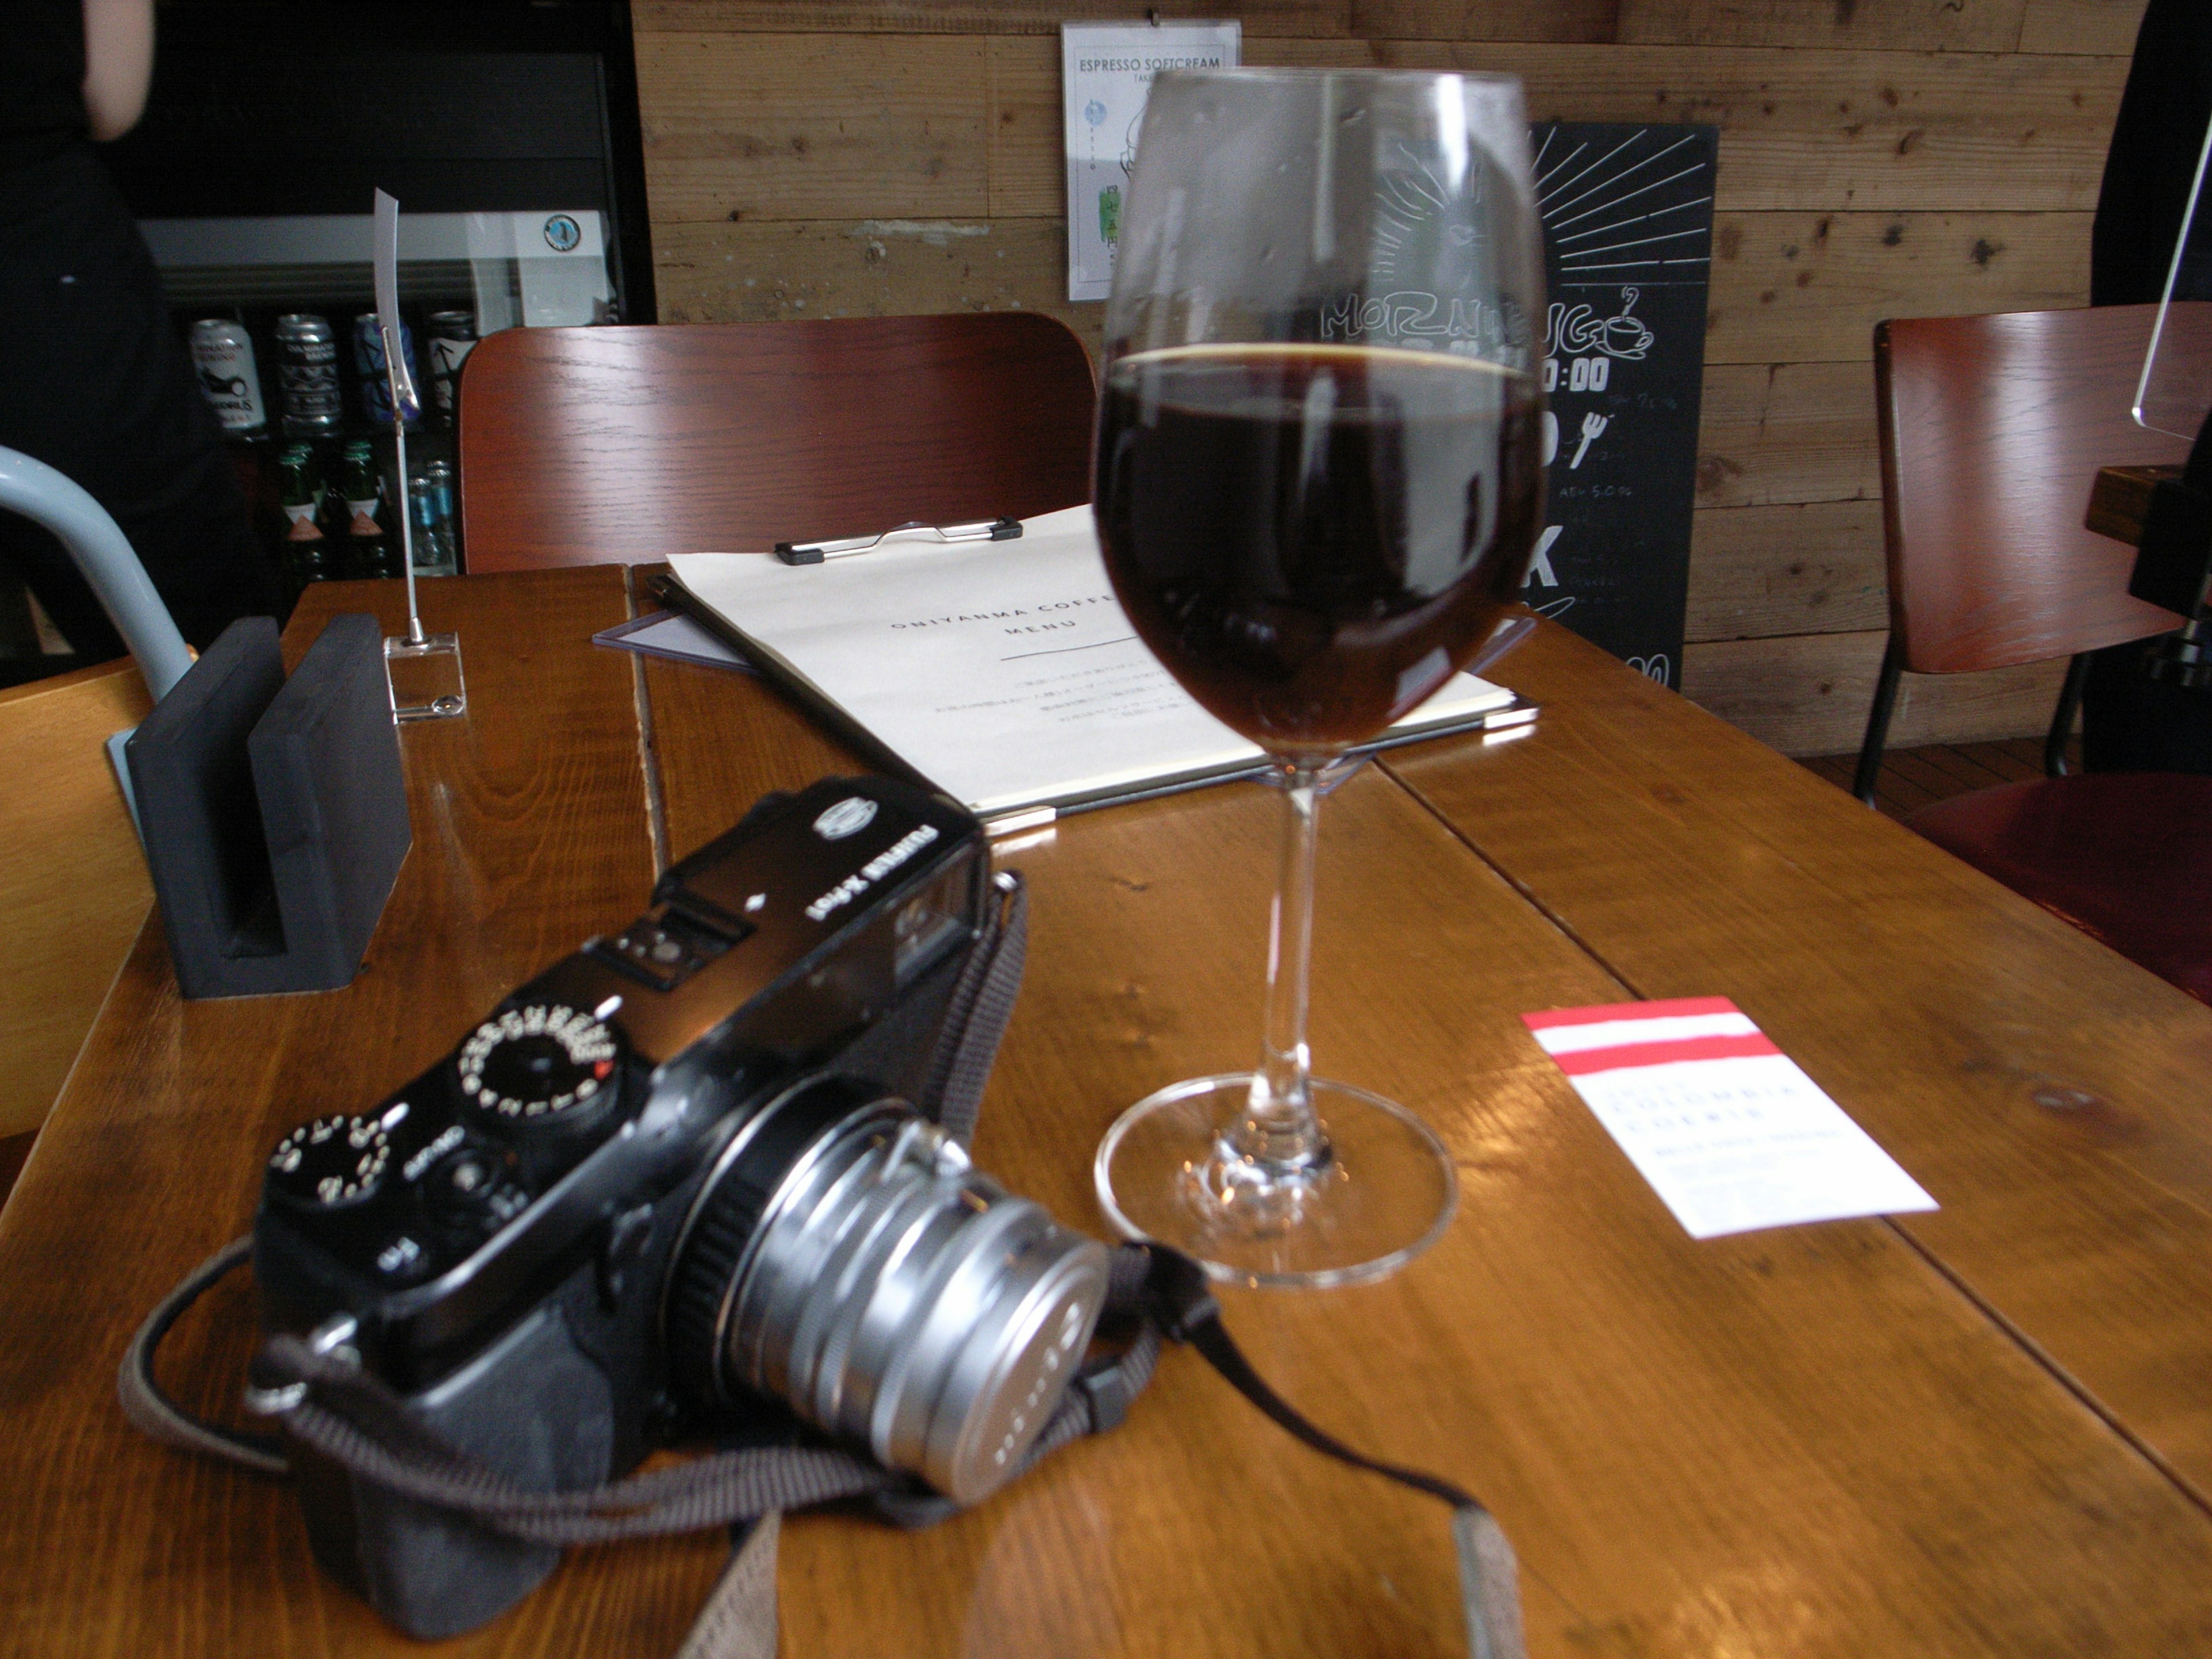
[1581, 329]
[1627, 217]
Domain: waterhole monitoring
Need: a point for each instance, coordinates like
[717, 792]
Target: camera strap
[326, 1401]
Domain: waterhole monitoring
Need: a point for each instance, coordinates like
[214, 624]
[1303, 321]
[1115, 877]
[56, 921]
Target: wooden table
[1983, 1430]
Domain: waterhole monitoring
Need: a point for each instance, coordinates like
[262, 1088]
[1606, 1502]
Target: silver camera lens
[888, 1291]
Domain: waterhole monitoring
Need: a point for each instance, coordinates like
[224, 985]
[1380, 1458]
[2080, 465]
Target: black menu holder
[274, 811]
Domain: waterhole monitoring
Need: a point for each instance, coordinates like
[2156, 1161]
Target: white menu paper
[1729, 1132]
[1106, 70]
[1004, 673]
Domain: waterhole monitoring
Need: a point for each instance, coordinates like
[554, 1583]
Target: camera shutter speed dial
[331, 1162]
[539, 1063]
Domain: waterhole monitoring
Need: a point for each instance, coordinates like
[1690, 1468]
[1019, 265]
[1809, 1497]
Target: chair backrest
[1993, 429]
[599, 445]
[73, 885]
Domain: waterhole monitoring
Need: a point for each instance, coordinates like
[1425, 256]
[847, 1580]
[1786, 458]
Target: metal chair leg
[1877, 731]
[2062, 719]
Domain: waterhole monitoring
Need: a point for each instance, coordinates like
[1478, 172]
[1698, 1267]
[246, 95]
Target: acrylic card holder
[423, 671]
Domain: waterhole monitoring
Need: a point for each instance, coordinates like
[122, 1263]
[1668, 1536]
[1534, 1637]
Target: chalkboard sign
[1628, 222]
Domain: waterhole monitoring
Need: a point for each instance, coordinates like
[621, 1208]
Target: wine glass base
[1384, 1192]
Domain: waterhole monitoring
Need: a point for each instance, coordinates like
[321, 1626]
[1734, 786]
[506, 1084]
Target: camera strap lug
[628, 1234]
[1106, 1386]
[982, 1003]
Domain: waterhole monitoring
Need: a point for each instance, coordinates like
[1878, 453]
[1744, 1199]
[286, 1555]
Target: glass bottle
[307, 553]
[372, 552]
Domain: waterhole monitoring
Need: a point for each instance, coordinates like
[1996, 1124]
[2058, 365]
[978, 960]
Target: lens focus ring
[892, 1294]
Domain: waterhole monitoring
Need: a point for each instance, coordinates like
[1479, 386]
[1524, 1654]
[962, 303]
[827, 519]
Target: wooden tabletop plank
[529, 833]
[1806, 1441]
[729, 738]
[2049, 1093]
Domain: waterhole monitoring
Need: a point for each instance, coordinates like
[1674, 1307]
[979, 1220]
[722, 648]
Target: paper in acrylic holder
[422, 670]
[1729, 1132]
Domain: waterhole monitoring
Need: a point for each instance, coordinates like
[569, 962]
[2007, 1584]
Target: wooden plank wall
[1879, 158]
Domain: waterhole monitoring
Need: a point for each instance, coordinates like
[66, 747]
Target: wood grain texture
[1890, 25]
[729, 740]
[1787, 432]
[589, 445]
[1011, 16]
[927, 135]
[2073, 25]
[1810, 286]
[1993, 429]
[1119, 1547]
[1805, 1441]
[2105, 27]
[1949, 1016]
[1865, 131]
[906, 136]
[782, 272]
[1809, 568]
[530, 833]
[1787, 287]
[73, 884]
[1809, 693]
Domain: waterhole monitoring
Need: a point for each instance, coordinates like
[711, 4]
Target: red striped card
[1728, 1130]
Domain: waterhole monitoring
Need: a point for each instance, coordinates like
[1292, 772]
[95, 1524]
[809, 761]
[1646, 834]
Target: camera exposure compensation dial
[540, 1064]
[330, 1163]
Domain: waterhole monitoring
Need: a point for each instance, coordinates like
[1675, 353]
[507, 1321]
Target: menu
[1004, 673]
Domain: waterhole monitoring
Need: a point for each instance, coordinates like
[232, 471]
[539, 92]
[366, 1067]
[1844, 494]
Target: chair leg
[2062, 717]
[1877, 730]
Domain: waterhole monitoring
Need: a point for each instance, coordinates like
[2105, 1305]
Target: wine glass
[1319, 481]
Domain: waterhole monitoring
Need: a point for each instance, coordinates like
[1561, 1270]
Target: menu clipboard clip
[984, 529]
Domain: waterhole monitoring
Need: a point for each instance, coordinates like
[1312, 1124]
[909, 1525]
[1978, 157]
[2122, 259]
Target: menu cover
[1003, 673]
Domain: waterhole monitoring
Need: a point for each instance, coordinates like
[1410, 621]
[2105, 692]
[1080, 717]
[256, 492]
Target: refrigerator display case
[508, 133]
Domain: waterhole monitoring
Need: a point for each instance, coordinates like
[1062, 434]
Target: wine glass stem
[1278, 1129]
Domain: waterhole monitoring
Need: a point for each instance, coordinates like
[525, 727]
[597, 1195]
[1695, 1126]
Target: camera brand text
[872, 872]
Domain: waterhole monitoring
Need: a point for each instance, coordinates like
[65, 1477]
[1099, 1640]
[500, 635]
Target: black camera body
[672, 1185]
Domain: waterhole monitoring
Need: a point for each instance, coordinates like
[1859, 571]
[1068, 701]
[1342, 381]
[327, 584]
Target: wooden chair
[1993, 429]
[73, 885]
[598, 446]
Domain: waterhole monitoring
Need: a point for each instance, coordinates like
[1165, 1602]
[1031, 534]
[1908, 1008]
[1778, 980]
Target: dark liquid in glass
[1314, 538]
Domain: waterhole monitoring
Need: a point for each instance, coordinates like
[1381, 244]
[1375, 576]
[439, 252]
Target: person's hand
[118, 64]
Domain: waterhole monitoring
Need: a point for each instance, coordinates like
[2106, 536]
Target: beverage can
[453, 336]
[223, 354]
[307, 375]
[368, 358]
[430, 499]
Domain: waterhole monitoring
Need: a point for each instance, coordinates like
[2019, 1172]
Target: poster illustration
[1628, 219]
[1106, 70]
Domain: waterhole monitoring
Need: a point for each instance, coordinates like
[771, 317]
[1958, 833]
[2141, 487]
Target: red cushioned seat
[2126, 857]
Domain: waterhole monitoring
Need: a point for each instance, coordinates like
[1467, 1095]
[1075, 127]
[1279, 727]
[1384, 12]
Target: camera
[673, 1188]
